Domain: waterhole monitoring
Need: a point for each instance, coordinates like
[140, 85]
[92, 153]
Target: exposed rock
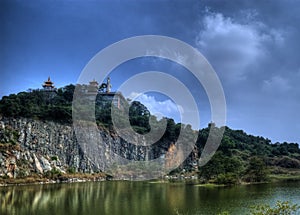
[11, 167]
[37, 164]
[45, 164]
[39, 146]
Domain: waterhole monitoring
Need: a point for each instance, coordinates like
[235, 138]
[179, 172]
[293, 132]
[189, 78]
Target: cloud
[276, 84]
[164, 52]
[165, 108]
[234, 47]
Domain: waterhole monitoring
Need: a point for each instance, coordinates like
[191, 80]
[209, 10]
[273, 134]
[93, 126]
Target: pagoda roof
[94, 82]
[48, 83]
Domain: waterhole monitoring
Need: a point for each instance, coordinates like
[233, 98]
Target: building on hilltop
[93, 87]
[105, 87]
[49, 90]
[48, 85]
[106, 95]
[102, 92]
[116, 98]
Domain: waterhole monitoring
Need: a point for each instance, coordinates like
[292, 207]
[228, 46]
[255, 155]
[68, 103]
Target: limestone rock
[37, 164]
[44, 145]
[45, 164]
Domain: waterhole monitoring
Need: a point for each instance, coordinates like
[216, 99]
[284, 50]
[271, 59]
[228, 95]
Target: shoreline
[63, 179]
[81, 178]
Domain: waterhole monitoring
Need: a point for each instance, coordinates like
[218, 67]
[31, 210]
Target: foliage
[288, 162]
[9, 135]
[257, 170]
[227, 178]
[139, 117]
[71, 170]
[57, 106]
[223, 169]
[53, 174]
[281, 208]
[39, 104]
[54, 158]
[224, 213]
[246, 157]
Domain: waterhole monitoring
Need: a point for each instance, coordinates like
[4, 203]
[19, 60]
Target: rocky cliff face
[37, 146]
[30, 146]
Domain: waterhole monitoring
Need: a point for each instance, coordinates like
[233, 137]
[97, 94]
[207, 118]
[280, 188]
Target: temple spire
[108, 85]
[48, 85]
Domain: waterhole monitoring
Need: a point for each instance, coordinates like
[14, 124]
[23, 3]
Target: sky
[253, 47]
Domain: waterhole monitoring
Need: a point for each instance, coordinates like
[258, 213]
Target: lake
[141, 198]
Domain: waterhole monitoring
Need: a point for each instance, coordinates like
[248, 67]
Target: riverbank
[85, 177]
[63, 178]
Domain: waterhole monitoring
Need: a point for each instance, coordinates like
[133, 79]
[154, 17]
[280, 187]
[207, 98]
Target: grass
[210, 185]
[284, 177]
[158, 182]
[19, 181]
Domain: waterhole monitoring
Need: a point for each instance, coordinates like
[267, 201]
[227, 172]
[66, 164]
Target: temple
[93, 87]
[116, 98]
[105, 87]
[48, 85]
[104, 90]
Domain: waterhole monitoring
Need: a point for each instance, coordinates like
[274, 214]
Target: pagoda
[48, 85]
[93, 87]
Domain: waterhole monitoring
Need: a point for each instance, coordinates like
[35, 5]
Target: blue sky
[252, 45]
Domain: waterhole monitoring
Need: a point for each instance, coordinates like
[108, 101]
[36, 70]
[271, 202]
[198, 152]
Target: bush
[53, 174]
[281, 208]
[71, 170]
[54, 158]
[288, 162]
[257, 170]
[227, 179]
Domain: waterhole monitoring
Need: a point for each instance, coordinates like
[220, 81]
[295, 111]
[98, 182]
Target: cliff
[45, 148]
[38, 147]
[30, 146]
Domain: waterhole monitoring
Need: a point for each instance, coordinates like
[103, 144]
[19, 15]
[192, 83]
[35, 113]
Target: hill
[36, 134]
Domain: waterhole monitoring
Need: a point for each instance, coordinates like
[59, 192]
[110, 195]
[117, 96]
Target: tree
[257, 170]
[226, 145]
[68, 92]
[139, 117]
[223, 169]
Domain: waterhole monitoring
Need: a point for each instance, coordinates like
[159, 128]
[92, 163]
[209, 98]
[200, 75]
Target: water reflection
[139, 198]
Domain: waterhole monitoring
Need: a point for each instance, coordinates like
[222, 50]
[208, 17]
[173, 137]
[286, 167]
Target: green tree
[227, 145]
[222, 169]
[139, 117]
[257, 170]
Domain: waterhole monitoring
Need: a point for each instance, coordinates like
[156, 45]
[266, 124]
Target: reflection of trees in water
[138, 198]
[46, 199]
[85, 198]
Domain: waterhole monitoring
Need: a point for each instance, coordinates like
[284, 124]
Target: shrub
[71, 170]
[227, 179]
[54, 158]
[281, 208]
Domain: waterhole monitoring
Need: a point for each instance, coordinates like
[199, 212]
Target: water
[141, 198]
